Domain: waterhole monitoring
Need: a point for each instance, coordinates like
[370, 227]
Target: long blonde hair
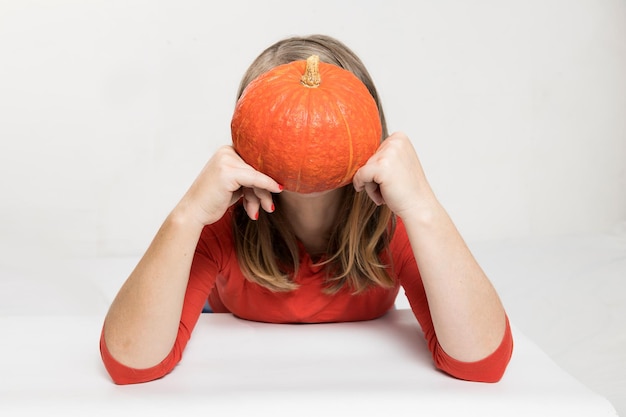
[267, 249]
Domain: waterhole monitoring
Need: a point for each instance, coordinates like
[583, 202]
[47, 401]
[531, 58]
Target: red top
[215, 274]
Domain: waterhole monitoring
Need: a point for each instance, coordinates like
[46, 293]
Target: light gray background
[108, 109]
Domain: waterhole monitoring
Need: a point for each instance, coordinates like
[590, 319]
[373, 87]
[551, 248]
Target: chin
[311, 195]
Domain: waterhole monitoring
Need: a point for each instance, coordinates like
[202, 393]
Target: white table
[231, 367]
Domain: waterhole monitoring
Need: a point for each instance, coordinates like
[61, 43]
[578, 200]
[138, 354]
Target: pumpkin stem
[311, 77]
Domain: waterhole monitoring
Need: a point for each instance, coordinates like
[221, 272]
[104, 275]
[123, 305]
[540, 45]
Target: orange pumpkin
[307, 124]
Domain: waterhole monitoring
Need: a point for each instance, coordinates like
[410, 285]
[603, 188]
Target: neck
[312, 217]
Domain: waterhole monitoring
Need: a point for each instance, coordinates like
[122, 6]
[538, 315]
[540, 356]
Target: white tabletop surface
[234, 367]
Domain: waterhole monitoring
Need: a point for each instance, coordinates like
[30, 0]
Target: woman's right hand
[143, 322]
[222, 182]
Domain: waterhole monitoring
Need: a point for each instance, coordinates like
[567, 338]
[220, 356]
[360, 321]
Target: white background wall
[108, 109]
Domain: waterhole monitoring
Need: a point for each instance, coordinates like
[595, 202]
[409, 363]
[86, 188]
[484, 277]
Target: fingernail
[280, 187]
[256, 216]
[272, 209]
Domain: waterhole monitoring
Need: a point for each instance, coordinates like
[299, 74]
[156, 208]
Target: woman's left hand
[394, 176]
[466, 312]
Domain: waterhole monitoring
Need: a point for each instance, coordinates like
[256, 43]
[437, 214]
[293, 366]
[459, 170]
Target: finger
[373, 191]
[251, 203]
[358, 180]
[235, 196]
[265, 198]
[246, 175]
[366, 179]
[364, 175]
[250, 178]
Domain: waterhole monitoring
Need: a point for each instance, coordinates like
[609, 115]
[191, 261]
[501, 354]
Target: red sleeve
[122, 374]
[210, 255]
[489, 369]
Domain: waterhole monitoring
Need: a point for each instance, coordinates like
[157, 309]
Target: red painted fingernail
[280, 187]
[256, 216]
[272, 209]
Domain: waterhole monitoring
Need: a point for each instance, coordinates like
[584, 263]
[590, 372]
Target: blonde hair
[267, 249]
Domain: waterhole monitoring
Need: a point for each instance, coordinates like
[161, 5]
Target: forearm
[142, 323]
[467, 314]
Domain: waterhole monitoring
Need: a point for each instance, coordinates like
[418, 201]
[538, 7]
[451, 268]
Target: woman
[240, 242]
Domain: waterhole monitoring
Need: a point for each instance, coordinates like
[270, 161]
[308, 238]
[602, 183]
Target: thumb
[373, 191]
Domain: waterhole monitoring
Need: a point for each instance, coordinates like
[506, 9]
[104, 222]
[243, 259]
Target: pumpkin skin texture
[307, 138]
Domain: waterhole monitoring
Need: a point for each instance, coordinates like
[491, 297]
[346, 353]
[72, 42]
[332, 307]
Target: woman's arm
[466, 312]
[142, 323]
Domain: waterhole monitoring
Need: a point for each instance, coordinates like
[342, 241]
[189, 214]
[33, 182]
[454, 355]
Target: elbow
[489, 370]
[130, 379]
[125, 375]
[473, 373]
